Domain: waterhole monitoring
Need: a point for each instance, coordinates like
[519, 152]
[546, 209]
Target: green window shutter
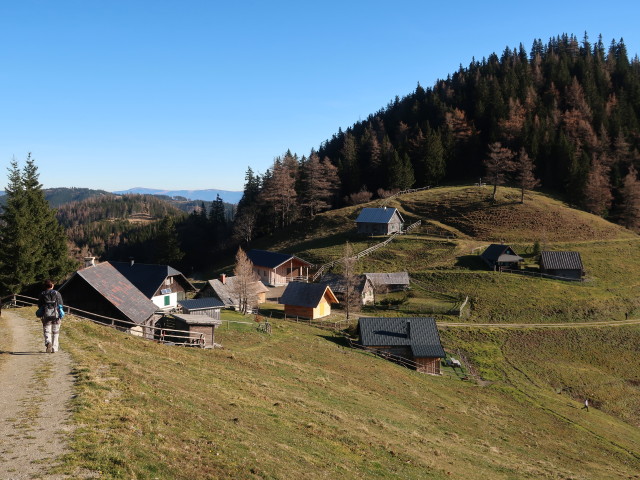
[167, 300]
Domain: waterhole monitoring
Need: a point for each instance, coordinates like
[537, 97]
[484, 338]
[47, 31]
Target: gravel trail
[35, 393]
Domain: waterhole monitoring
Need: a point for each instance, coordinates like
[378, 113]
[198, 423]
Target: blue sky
[115, 94]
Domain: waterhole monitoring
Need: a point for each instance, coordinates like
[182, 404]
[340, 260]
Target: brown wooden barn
[415, 339]
[209, 306]
[101, 290]
[307, 300]
[499, 256]
[362, 287]
[224, 289]
[278, 268]
[567, 265]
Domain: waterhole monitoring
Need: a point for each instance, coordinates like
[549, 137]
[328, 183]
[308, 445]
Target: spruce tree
[34, 244]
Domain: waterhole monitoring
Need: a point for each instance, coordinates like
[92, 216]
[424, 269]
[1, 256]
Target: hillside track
[36, 389]
[618, 323]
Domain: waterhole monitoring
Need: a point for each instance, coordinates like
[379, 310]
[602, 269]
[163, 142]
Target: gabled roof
[149, 278]
[392, 278]
[301, 294]
[419, 333]
[201, 303]
[338, 283]
[496, 253]
[377, 215]
[264, 258]
[225, 291]
[117, 290]
[560, 261]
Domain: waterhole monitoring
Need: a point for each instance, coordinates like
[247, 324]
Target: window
[167, 300]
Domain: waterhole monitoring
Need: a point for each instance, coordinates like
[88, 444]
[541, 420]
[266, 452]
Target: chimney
[131, 261]
[409, 329]
[223, 278]
[89, 262]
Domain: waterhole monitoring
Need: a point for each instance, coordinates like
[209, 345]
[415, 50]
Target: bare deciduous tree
[524, 173]
[351, 296]
[597, 191]
[244, 282]
[498, 163]
[631, 200]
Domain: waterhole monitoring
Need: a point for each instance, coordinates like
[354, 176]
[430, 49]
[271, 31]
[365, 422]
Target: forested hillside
[564, 116]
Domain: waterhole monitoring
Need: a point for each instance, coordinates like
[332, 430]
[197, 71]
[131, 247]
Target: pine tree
[34, 245]
[168, 250]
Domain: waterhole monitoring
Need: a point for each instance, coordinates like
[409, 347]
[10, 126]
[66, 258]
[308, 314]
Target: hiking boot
[49, 347]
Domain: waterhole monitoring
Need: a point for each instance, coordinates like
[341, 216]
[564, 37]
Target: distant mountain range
[209, 195]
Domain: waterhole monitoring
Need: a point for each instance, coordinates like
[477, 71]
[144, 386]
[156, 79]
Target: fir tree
[168, 250]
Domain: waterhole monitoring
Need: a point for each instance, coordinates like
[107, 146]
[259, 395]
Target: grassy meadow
[300, 403]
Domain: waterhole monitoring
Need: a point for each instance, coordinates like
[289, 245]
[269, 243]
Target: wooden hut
[276, 269]
[414, 339]
[225, 290]
[562, 264]
[307, 300]
[389, 281]
[379, 221]
[498, 256]
[362, 287]
[193, 326]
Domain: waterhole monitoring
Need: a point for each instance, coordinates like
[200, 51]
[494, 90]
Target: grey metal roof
[419, 333]
[390, 278]
[117, 290]
[338, 283]
[225, 291]
[264, 258]
[377, 215]
[302, 294]
[148, 278]
[201, 303]
[191, 319]
[560, 261]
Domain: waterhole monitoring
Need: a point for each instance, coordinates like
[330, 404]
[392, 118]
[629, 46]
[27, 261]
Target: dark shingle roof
[496, 252]
[390, 278]
[302, 294]
[118, 291]
[201, 303]
[264, 258]
[377, 215]
[149, 278]
[338, 283]
[560, 261]
[224, 291]
[419, 333]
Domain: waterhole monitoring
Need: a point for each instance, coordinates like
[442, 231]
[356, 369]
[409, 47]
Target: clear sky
[115, 94]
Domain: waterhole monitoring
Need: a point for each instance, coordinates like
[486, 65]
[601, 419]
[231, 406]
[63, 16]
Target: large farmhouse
[307, 300]
[379, 221]
[105, 292]
[562, 264]
[278, 268]
[415, 339]
[162, 284]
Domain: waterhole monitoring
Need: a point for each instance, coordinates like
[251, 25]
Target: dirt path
[35, 392]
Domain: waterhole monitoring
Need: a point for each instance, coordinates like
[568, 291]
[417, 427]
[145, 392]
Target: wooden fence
[403, 192]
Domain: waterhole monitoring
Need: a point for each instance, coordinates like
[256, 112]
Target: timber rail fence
[366, 251]
[147, 332]
[403, 192]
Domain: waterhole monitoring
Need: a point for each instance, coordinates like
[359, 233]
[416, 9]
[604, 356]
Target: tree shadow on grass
[471, 262]
[337, 339]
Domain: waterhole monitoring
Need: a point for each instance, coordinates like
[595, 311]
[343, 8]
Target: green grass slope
[300, 404]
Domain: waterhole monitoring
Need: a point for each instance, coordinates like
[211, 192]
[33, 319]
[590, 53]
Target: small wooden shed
[389, 281]
[209, 306]
[224, 289]
[307, 300]
[498, 256]
[362, 286]
[415, 339]
[195, 326]
[379, 221]
[562, 264]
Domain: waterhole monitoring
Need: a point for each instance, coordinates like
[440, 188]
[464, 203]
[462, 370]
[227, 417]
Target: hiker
[586, 404]
[50, 312]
